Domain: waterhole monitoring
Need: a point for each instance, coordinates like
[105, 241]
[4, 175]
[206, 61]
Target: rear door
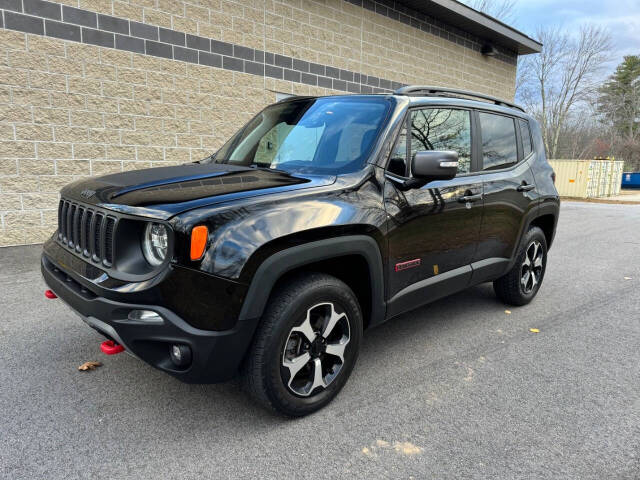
[434, 229]
[509, 190]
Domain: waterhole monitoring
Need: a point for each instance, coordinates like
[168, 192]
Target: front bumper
[216, 355]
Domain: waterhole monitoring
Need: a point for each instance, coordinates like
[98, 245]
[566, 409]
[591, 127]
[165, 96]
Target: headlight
[155, 243]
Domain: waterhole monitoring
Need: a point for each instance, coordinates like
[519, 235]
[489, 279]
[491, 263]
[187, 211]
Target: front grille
[108, 239]
[95, 237]
[87, 231]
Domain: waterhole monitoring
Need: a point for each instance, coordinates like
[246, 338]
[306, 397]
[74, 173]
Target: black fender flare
[551, 207]
[530, 217]
[278, 264]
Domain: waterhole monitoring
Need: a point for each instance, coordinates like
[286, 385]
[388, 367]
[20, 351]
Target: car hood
[166, 191]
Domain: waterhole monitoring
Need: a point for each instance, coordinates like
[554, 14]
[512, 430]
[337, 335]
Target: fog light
[180, 355]
[145, 316]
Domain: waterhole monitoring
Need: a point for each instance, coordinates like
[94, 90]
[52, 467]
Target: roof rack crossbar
[428, 90]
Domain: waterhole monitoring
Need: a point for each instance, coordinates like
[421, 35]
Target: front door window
[442, 129]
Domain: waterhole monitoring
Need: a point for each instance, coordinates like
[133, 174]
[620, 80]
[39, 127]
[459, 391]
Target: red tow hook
[109, 347]
[49, 294]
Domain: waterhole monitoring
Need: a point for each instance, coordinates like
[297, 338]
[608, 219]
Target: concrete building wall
[99, 86]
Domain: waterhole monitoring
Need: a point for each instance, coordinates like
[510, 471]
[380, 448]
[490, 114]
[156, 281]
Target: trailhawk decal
[408, 264]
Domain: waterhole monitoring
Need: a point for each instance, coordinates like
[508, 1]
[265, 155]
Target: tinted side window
[443, 129]
[398, 158]
[526, 137]
[499, 147]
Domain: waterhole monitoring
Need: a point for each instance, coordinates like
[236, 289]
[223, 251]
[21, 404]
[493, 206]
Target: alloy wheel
[314, 351]
[531, 270]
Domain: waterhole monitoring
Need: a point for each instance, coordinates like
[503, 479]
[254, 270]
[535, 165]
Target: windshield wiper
[208, 159]
[269, 169]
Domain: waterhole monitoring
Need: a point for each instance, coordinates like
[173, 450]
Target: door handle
[525, 187]
[470, 198]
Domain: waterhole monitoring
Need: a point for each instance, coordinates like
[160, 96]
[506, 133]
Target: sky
[621, 17]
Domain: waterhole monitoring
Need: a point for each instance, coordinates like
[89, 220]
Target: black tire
[512, 288]
[264, 374]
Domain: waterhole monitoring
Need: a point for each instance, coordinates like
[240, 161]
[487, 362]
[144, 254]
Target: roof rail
[428, 90]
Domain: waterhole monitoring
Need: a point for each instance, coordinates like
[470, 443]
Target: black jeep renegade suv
[320, 218]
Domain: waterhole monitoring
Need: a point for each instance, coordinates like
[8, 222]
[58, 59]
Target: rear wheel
[521, 284]
[306, 345]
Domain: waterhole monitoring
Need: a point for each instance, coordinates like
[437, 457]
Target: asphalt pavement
[457, 389]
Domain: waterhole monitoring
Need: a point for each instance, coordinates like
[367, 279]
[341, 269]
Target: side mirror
[435, 165]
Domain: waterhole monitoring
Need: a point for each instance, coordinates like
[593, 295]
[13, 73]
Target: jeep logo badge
[88, 193]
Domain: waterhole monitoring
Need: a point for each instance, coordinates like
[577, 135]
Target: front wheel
[306, 345]
[521, 284]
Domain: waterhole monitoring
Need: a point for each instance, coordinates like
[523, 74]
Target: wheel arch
[333, 256]
[545, 217]
[547, 223]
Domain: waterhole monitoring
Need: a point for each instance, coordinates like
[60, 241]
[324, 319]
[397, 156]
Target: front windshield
[327, 135]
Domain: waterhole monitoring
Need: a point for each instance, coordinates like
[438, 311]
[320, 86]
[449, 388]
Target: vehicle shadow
[226, 406]
[152, 397]
[450, 313]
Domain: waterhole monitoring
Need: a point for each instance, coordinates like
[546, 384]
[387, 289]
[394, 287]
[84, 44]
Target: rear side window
[499, 146]
[526, 137]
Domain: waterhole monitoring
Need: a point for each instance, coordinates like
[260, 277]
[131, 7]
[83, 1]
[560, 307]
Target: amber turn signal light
[199, 236]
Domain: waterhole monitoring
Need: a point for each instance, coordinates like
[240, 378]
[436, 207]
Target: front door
[434, 230]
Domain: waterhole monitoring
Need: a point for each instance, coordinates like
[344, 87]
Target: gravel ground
[458, 389]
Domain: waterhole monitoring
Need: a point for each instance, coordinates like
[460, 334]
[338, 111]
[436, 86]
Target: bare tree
[503, 10]
[563, 78]
[580, 135]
